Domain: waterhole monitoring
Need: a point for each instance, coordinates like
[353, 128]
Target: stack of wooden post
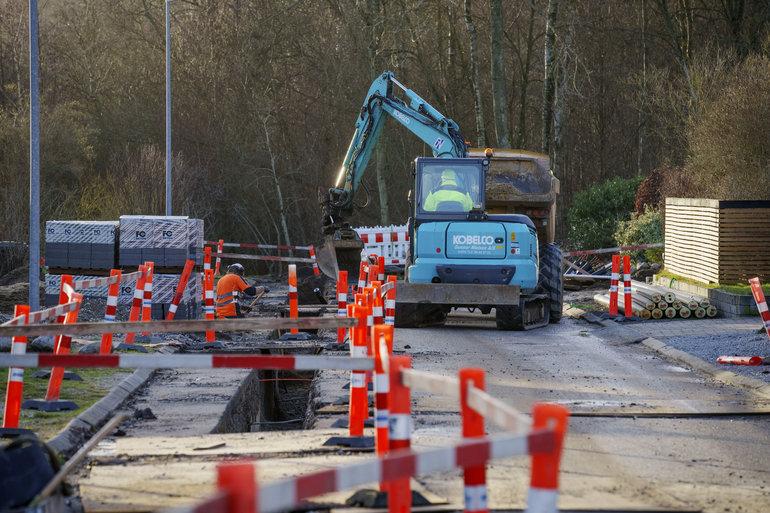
[655, 302]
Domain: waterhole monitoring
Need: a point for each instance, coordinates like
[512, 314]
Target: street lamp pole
[34, 160]
[168, 107]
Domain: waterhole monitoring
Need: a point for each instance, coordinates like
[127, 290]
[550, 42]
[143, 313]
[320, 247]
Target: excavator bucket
[339, 254]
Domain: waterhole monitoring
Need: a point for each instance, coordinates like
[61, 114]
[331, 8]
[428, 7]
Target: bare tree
[475, 75]
[548, 73]
[499, 90]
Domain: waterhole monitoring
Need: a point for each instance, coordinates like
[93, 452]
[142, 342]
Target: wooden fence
[717, 241]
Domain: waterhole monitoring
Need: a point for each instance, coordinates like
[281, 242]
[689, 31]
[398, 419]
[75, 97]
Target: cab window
[448, 188]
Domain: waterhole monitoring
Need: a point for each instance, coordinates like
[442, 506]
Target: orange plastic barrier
[293, 297]
[399, 432]
[147, 300]
[208, 308]
[136, 302]
[342, 302]
[180, 287]
[473, 427]
[15, 389]
[614, 285]
[358, 405]
[112, 309]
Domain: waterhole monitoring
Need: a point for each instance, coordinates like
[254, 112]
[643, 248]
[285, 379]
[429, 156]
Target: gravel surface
[740, 344]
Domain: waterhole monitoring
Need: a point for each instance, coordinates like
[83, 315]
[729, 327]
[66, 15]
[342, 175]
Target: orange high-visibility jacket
[228, 289]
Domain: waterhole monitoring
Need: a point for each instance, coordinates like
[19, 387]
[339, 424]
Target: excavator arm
[440, 133]
[342, 247]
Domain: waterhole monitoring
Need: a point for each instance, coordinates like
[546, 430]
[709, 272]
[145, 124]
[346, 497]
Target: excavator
[481, 222]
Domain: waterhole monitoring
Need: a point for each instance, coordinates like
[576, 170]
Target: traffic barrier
[358, 404]
[373, 274]
[399, 432]
[206, 259]
[342, 302]
[251, 245]
[628, 303]
[316, 270]
[392, 242]
[390, 300]
[381, 269]
[293, 296]
[186, 361]
[614, 285]
[377, 310]
[136, 302]
[15, 389]
[617, 249]
[111, 310]
[180, 288]
[475, 478]
[147, 297]
[185, 326]
[363, 271]
[751, 361]
[208, 307]
[269, 258]
[220, 249]
[759, 298]
[41, 315]
[543, 492]
[382, 342]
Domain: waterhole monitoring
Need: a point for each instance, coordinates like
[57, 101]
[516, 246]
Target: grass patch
[735, 288]
[95, 385]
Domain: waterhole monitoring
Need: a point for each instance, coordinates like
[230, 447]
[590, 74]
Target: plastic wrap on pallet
[53, 284]
[80, 244]
[195, 240]
[166, 240]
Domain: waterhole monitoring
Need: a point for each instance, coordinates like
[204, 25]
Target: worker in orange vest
[229, 289]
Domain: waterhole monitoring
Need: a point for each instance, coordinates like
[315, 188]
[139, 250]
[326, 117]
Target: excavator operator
[448, 195]
[229, 288]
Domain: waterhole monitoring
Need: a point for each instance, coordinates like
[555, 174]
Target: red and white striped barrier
[105, 281]
[147, 299]
[220, 249]
[358, 404]
[750, 361]
[363, 272]
[208, 306]
[186, 361]
[614, 285]
[206, 259]
[111, 310]
[399, 432]
[250, 245]
[240, 493]
[293, 297]
[391, 242]
[389, 289]
[628, 303]
[382, 342]
[268, 258]
[316, 270]
[759, 298]
[618, 249]
[136, 302]
[62, 348]
[342, 302]
[475, 477]
[180, 288]
[42, 315]
[15, 389]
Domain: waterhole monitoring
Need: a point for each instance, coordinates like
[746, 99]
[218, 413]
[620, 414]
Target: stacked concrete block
[168, 241]
[81, 244]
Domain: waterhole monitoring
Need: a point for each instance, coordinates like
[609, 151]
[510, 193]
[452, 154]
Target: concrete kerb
[755, 386]
[79, 429]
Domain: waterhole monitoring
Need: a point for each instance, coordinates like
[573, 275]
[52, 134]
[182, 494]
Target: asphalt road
[711, 463]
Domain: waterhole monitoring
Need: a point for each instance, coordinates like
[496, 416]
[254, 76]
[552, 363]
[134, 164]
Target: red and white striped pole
[57, 373]
[342, 302]
[544, 482]
[382, 342]
[381, 269]
[614, 285]
[359, 400]
[399, 431]
[316, 270]
[390, 302]
[293, 298]
[15, 389]
[180, 287]
[473, 427]
[112, 309]
[377, 310]
[208, 307]
[759, 298]
[206, 258]
[220, 249]
[136, 302]
[147, 300]
[373, 272]
[628, 307]
[238, 481]
[363, 270]
[66, 284]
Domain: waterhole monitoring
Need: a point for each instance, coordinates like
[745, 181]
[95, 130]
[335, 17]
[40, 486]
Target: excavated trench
[269, 400]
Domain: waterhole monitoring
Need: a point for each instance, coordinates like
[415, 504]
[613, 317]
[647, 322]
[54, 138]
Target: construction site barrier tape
[185, 326]
[187, 361]
[42, 315]
[271, 258]
[611, 250]
[90, 283]
[287, 494]
[251, 245]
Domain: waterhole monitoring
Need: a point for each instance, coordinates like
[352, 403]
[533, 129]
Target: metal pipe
[34, 159]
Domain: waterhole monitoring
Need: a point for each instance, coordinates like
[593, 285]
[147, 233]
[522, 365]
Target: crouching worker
[229, 289]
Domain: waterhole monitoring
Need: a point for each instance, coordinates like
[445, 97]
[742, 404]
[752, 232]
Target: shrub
[595, 212]
[644, 228]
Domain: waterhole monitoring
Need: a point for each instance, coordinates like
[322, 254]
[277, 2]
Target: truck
[481, 221]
